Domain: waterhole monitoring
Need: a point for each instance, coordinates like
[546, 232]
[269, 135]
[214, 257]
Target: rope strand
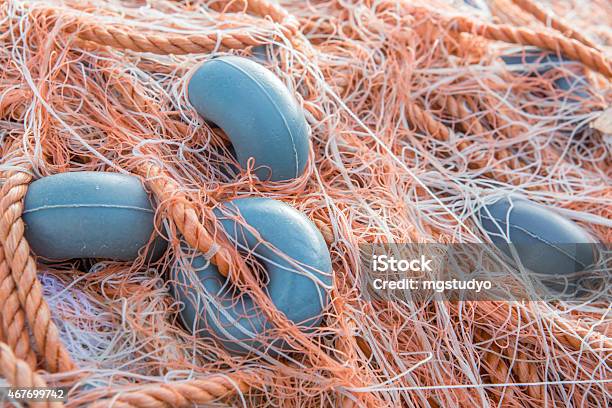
[177, 394]
[558, 24]
[158, 43]
[23, 269]
[14, 330]
[185, 217]
[552, 42]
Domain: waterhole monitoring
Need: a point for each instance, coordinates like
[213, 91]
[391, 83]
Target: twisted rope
[496, 367]
[574, 334]
[427, 123]
[177, 394]
[19, 374]
[556, 23]
[13, 327]
[161, 44]
[264, 8]
[158, 43]
[498, 372]
[23, 269]
[553, 42]
[456, 106]
[527, 372]
[186, 218]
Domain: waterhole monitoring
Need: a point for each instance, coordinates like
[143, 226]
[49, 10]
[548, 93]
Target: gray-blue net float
[91, 215]
[546, 242]
[298, 267]
[256, 111]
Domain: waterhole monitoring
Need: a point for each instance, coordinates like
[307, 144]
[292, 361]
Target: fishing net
[416, 119]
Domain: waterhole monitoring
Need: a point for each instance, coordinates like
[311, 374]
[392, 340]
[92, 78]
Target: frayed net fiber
[415, 122]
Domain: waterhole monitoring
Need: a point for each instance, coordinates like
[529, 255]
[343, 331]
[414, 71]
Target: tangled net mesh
[415, 122]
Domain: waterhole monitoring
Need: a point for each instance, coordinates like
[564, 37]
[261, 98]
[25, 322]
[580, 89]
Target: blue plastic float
[546, 242]
[256, 111]
[540, 62]
[298, 265]
[90, 215]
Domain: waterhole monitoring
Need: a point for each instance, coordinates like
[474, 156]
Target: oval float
[90, 215]
[298, 265]
[545, 241]
[540, 62]
[256, 111]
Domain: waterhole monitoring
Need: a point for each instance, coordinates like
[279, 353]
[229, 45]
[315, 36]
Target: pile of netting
[415, 120]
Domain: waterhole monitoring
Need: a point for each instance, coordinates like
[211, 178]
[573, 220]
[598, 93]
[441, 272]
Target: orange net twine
[415, 119]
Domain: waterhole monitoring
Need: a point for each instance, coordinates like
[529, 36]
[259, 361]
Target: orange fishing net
[415, 119]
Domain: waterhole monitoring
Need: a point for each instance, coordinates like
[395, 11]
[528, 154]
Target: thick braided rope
[19, 374]
[456, 107]
[498, 373]
[23, 269]
[184, 215]
[527, 372]
[164, 44]
[497, 368]
[470, 124]
[549, 41]
[158, 43]
[523, 370]
[14, 330]
[177, 394]
[427, 123]
[264, 8]
[574, 334]
[548, 19]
